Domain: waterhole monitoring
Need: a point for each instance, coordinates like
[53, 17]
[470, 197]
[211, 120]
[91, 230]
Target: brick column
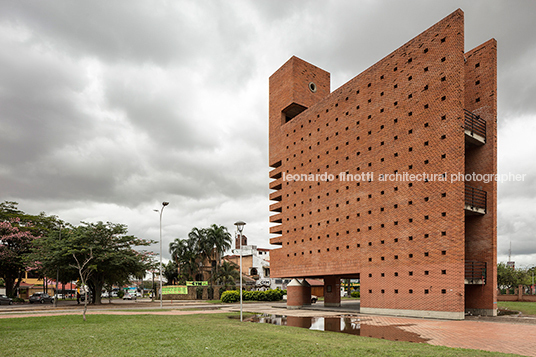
[298, 294]
[332, 290]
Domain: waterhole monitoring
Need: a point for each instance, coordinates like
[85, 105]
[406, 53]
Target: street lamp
[240, 227]
[57, 277]
[164, 204]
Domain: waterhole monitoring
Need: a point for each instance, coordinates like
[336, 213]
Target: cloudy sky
[108, 108]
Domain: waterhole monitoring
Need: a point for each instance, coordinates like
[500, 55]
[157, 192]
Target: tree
[84, 271]
[218, 240]
[171, 272]
[37, 225]
[15, 245]
[114, 260]
[202, 245]
[508, 278]
[18, 231]
[227, 274]
[184, 253]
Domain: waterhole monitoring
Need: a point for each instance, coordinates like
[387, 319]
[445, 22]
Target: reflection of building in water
[350, 325]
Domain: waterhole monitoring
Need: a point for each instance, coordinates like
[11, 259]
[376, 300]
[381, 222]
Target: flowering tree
[15, 245]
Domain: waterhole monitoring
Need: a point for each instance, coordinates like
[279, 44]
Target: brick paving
[518, 337]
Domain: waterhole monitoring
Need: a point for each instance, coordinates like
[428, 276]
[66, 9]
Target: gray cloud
[109, 108]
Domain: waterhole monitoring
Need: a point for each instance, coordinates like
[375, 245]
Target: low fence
[519, 295]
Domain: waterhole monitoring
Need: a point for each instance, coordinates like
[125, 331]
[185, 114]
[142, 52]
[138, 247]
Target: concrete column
[298, 294]
[520, 289]
[332, 290]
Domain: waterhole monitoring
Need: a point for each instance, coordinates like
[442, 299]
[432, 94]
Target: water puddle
[352, 325]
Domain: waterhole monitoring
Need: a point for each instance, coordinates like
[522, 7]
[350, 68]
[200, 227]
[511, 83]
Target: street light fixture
[164, 204]
[240, 227]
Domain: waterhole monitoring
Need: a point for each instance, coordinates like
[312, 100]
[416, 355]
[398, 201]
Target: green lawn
[191, 335]
[527, 308]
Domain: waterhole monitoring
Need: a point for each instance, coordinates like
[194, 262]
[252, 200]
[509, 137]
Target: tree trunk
[98, 289]
[10, 282]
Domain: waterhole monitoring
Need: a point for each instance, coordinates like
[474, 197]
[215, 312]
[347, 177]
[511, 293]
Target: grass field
[526, 308]
[191, 335]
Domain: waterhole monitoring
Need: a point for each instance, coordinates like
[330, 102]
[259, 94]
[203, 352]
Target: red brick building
[369, 179]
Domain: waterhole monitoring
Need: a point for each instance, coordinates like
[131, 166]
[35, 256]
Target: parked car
[4, 300]
[83, 297]
[127, 296]
[41, 298]
[314, 298]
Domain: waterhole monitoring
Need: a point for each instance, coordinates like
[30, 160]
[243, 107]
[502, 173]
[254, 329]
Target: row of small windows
[410, 291]
[395, 240]
[369, 164]
[358, 199]
[370, 259]
[370, 212]
[369, 148]
[396, 257]
[382, 225]
[410, 273]
[382, 126]
[370, 195]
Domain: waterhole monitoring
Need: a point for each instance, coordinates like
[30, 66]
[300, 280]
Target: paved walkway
[518, 337]
[508, 335]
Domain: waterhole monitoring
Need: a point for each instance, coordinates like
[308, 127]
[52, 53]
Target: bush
[355, 294]
[17, 299]
[274, 295]
[230, 296]
[269, 295]
[120, 294]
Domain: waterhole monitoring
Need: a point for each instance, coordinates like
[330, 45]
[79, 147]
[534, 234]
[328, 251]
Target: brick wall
[405, 114]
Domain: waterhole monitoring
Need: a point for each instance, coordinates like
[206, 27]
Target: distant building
[255, 264]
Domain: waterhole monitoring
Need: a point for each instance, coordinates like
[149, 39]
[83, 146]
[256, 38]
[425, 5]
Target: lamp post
[164, 204]
[57, 279]
[240, 227]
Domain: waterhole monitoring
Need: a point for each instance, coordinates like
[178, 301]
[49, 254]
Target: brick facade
[407, 240]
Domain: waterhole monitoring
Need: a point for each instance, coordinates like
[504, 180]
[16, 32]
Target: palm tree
[218, 240]
[171, 272]
[185, 254]
[227, 274]
[202, 245]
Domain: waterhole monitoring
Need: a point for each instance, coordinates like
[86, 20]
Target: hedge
[269, 295]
